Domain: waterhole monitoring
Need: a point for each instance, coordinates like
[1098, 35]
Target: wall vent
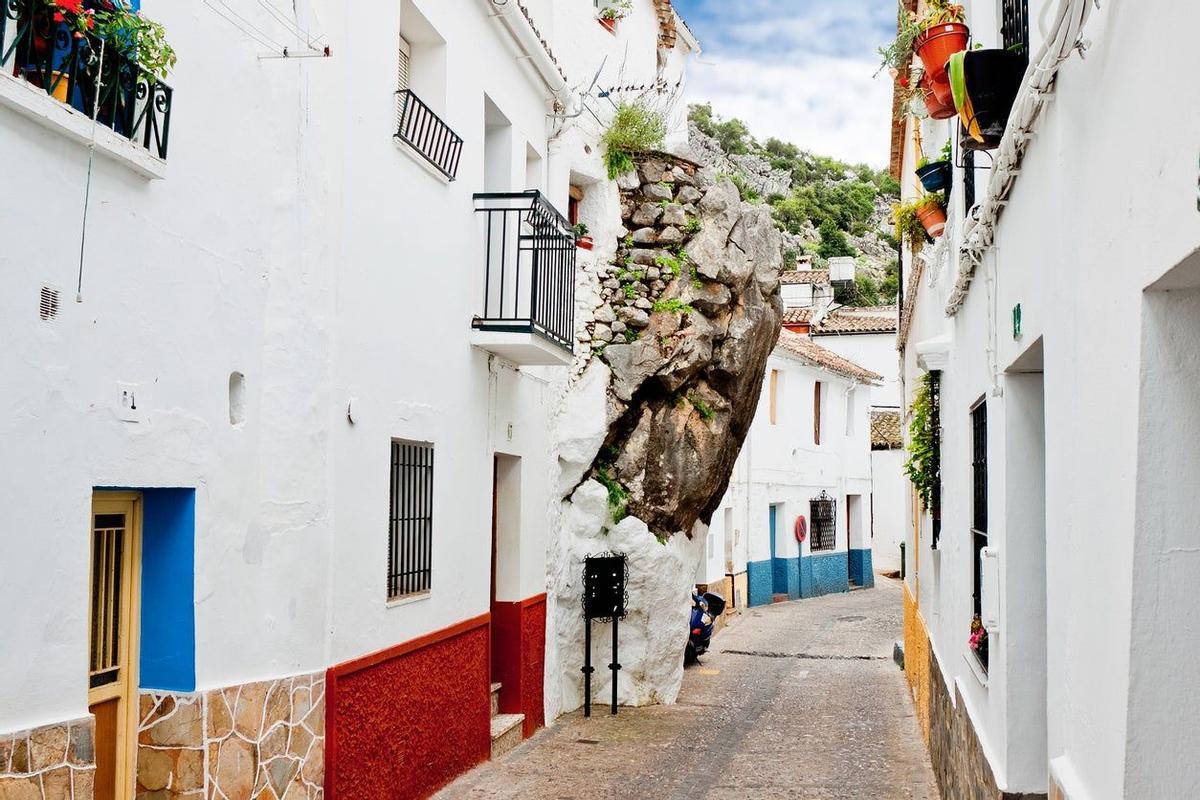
[49, 303]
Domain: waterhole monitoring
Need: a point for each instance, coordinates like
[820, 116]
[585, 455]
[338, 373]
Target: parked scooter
[705, 610]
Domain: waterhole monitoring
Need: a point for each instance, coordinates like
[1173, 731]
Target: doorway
[506, 577]
[113, 638]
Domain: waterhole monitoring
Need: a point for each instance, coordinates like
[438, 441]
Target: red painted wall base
[404, 722]
[519, 659]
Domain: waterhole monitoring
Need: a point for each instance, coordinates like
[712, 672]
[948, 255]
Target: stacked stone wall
[53, 762]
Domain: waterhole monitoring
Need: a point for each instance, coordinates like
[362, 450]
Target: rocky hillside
[823, 207]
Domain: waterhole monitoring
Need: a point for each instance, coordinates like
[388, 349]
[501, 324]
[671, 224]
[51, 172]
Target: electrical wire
[250, 32]
[87, 191]
[251, 25]
[293, 27]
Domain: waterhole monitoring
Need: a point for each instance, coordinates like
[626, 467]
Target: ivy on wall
[922, 466]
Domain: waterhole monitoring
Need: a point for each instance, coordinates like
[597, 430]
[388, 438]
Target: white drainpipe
[532, 50]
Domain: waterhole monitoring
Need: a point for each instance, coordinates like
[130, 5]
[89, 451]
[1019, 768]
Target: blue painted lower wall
[861, 570]
[825, 573]
[810, 576]
[760, 582]
[168, 638]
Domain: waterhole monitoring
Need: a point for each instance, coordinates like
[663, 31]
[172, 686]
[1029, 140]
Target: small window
[979, 511]
[774, 396]
[851, 396]
[410, 520]
[817, 413]
[822, 515]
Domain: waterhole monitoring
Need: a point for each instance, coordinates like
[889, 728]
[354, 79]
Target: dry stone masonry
[675, 348]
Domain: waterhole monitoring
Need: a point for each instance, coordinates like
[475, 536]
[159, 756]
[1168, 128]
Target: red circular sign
[801, 528]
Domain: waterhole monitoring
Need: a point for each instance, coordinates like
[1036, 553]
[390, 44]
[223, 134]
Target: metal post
[615, 666]
[587, 668]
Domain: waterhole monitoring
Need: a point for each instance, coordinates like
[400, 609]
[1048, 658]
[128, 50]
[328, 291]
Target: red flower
[74, 6]
[904, 82]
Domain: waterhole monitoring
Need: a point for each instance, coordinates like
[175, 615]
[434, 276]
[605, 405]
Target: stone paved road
[753, 721]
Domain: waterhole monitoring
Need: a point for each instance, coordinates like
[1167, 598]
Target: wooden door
[112, 667]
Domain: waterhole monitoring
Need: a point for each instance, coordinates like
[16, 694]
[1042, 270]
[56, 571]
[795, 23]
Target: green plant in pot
[937, 174]
[931, 211]
[613, 12]
[943, 33]
[140, 39]
[635, 128]
[582, 240]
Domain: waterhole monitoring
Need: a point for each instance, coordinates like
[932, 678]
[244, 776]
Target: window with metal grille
[1014, 26]
[410, 519]
[822, 514]
[108, 580]
[935, 420]
[979, 511]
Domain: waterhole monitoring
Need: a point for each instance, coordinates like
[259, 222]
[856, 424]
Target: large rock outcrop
[676, 350]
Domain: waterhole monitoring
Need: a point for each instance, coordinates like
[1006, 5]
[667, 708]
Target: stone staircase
[506, 728]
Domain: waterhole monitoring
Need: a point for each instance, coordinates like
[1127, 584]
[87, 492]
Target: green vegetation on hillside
[838, 199]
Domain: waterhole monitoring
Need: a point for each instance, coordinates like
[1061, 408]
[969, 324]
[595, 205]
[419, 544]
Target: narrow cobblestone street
[796, 700]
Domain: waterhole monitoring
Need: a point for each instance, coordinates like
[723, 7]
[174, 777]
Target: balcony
[529, 280]
[427, 135]
[47, 56]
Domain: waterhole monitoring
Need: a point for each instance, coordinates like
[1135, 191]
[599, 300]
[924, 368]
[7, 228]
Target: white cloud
[829, 105]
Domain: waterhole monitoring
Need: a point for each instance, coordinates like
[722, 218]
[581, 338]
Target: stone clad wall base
[959, 764]
[48, 763]
[264, 740]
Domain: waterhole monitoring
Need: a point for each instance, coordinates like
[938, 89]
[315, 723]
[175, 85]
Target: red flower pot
[610, 25]
[585, 243]
[933, 217]
[935, 46]
[939, 107]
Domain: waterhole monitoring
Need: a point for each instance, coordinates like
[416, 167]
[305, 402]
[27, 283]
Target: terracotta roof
[837, 323]
[808, 350]
[797, 316]
[910, 300]
[846, 320]
[885, 430]
[792, 277]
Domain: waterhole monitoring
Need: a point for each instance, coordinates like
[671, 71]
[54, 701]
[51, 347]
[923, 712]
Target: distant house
[805, 468]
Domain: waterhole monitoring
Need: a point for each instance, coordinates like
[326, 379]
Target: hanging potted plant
[582, 240]
[985, 85]
[614, 12]
[943, 33]
[937, 107]
[936, 175]
[908, 226]
[931, 211]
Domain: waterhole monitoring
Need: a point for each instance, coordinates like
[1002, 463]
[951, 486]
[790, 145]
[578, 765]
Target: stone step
[506, 733]
[496, 698]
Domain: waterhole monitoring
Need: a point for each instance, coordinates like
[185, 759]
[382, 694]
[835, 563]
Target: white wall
[889, 489]
[876, 352]
[1080, 283]
[294, 242]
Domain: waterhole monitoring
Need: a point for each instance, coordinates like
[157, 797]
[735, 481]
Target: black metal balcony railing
[48, 55]
[425, 132]
[529, 278]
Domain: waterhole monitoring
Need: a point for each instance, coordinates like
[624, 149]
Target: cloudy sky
[799, 70]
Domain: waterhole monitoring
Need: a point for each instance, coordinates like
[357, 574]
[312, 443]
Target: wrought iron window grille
[410, 520]
[426, 133]
[132, 103]
[1014, 26]
[529, 267]
[822, 511]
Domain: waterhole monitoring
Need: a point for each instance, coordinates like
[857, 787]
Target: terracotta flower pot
[933, 217]
[585, 243]
[610, 25]
[937, 107]
[935, 46]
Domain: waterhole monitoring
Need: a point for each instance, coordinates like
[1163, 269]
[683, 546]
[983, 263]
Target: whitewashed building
[280, 476]
[1057, 320]
[795, 521]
